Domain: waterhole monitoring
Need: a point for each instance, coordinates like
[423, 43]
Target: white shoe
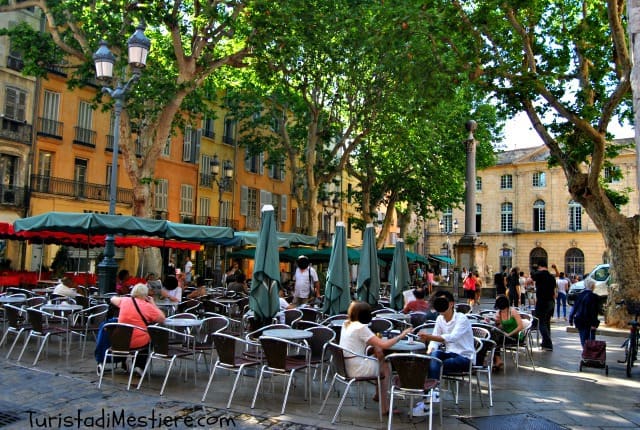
[436, 396]
[99, 369]
[420, 410]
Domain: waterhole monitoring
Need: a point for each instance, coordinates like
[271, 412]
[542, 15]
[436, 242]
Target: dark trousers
[586, 333]
[451, 363]
[544, 312]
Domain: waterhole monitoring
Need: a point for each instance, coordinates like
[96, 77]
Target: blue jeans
[562, 299]
[451, 363]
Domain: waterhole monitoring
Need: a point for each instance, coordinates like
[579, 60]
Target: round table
[12, 299]
[288, 333]
[406, 346]
[182, 322]
[394, 316]
[60, 307]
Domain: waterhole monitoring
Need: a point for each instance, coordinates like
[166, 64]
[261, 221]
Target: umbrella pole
[40, 267]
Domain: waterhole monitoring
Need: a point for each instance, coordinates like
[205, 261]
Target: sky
[519, 133]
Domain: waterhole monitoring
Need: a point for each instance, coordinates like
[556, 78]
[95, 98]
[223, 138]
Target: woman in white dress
[356, 336]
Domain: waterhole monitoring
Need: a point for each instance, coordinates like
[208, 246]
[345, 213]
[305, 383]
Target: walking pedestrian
[584, 313]
[545, 301]
[562, 284]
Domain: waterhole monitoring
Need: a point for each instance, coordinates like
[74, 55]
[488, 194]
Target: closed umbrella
[368, 282]
[399, 277]
[265, 282]
[337, 293]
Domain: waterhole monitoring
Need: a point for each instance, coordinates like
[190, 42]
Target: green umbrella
[387, 254]
[324, 254]
[368, 283]
[292, 254]
[399, 278]
[265, 282]
[337, 292]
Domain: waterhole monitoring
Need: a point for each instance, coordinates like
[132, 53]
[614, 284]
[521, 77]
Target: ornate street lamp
[104, 61]
[223, 183]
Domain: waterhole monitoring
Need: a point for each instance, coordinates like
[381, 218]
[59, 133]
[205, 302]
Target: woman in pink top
[129, 315]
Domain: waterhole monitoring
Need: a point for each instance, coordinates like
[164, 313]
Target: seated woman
[122, 282]
[356, 336]
[171, 290]
[200, 291]
[139, 310]
[508, 319]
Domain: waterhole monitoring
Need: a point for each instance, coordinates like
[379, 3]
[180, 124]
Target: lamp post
[138, 49]
[448, 229]
[222, 182]
[331, 207]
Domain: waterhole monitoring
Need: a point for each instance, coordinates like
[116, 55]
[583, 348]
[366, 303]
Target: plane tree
[567, 65]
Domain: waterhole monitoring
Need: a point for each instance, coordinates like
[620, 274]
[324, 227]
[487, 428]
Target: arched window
[537, 256]
[574, 262]
[506, 217]
[539, 216]
[575, 216]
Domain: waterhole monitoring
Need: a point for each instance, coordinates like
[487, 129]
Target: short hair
[200, 281]
[67, 282]
[542, 263]
[444, 293]
[590, 283]
[140, 290]
[171, 283]
[123, 274]
[418, 293]
[150, 274]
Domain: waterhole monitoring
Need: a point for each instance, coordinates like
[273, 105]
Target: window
[276, 171]
[49, 124]
[478, 183]
[254, 163]
[186, 200]
[208, 127]
[506, 218]
[166, 151]
[275, 202]
[574, 262]
[205, 171]
[80, 176]
[575, 216]
[186, 148]
[478, 218]
[229, 134]
[539, 180]
[84, 129]
[506, 182]
[276, 120]
[349, 193]
[15, 104]
[205, 208]
[45, 160]
[612, 174]
[161, 195]
[447, 221]
[539, 216]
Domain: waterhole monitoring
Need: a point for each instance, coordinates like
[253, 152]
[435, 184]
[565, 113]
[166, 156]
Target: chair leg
[286, 393]
[24, 347]
[133, 366]
[390, 409]
[104, 363]
[144, 372]
[42, 345]
[344, 396]
[166, 377]
[327, 396]
[206, 390]
[235, 385]
[255, 395]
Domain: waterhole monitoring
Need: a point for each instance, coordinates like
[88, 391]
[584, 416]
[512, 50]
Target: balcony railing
[12, 196]
[226, 222]
[229, 140]
[208, 133]
[205, 180]
[109, 146]
[85, 136]
[82, 190]
[15, 63]
[14, 130]
[49, 127]
[252, 223]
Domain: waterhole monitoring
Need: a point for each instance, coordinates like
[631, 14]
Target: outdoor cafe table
[288, 334]
[394, 316]
[63, 308]
[182, 322]
[406, 346]
[167, 304]
[12, 299]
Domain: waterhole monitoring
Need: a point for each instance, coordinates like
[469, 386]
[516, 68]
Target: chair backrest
[33, 302]
[63, 299]
[275, 351]
[160, 338]
[463, 308]
[291, 316]
[184, 315]
[484, 357]
[333, 318]
[339, 363]
[383, 310]
[217, 307]
[226, 347]
[303, 325]
[428, 326]
[379, 325]
[412, 369]
[210, 326]
[481, 332]
[120, 335]
[311, 314]
[418, 318]
[36, 319]
[82, 301]
[96, 313]
[321, 336]
[14, 290]
[12, 314]
[188, 306]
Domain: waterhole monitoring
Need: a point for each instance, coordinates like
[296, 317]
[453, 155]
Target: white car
[601, 275]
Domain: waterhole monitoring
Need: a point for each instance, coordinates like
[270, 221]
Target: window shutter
[261, 164]
[282, 173]
[186, 149]
[271, 171]
[247, 160]
[265, 199]
[283, 208]
[195, 145]
[10, 105]
[244, 197]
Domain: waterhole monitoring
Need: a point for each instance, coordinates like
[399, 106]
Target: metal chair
[484, 365]
[303, 325]
[230, 358]
[463, 376]
[380, 325]
[322, 336]
[120, 339]
[413, 381]
[278, 362]
[15, 325]
[521, 342]
[88, 321]
[42, 329]
[311, 314]
[343, 377]
[204, 336]
[291, 316]
[164, 350]
[329, 320]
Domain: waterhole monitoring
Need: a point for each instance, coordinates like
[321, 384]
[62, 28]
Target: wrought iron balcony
[229, 140]
[252, 223]
[17, 131]
[85, 137]
[77, 189]
[109, 146]
[206, 180]
[15, 63]
[208, 133]
[49, 127]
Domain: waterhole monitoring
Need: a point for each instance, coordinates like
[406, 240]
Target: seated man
[238, 285]
[417, 305]
[454, 330]
[154, 285]
[65, 288]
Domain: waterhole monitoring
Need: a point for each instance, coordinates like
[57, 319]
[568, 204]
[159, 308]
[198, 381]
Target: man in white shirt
[307, 285]
[562, 284]
[187, 270]
[65, 288]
